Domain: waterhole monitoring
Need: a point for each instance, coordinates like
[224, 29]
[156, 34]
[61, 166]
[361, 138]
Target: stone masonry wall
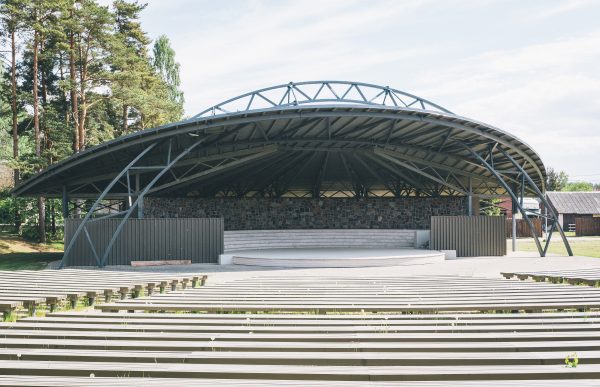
[293, 213]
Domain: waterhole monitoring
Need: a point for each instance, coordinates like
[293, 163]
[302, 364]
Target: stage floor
[333, 257]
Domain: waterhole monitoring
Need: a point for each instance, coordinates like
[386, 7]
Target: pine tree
[80, 73]
[138, 88]
[168, 68]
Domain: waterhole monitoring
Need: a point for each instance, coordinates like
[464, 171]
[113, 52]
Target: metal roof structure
[304, 139]
[583, 203]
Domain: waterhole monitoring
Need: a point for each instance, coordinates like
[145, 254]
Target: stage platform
[331, 257]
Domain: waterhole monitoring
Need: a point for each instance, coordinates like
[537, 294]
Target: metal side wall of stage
[197, 239]
[470, 236]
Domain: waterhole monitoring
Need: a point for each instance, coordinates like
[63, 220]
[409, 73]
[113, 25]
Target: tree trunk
[46, 133]
[36, 126]
[72, 76]
[125, 114]
[53, 217]
[65, 95]
[82, 114]
[42, 218]
[82, 96]
[13, 75]
[15, 133]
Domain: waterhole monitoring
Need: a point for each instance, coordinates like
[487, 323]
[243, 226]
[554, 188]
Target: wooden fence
[148, 239]
[470, 236]
[587, 226]
[523, 229]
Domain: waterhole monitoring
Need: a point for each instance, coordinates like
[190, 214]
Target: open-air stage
[332, 257]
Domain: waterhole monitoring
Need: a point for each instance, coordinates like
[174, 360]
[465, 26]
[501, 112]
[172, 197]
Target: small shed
[575, 205]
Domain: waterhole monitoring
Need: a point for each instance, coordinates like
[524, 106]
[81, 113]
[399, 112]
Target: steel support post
[65, 202]
[513, 224]
[140, 210]
[470, 197]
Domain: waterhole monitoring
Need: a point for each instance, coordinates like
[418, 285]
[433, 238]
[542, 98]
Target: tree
[578, 186]
[35, 17]
[12, 19]
[490, 207]
[92, 39]
[41, 17]
[78, 73]
[168, 68]
[139, 92]
[556, 181]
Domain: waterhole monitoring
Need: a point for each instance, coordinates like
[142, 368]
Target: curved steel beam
[298, 93]
[87, 217]
[140, 197]
[513, 197]
[542, 197]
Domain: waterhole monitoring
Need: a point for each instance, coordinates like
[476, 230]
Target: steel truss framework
[320, 92]
[309, 139]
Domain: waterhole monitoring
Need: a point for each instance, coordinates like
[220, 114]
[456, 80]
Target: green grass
[589, 247]
[19, 254]
[27, 261]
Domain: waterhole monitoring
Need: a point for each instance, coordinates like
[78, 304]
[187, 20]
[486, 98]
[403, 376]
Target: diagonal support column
[513, 196]
[140, 197]
[542, 197]
[88, 216]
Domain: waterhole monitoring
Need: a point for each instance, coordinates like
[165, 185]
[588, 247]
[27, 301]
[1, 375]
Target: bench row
[51, 288]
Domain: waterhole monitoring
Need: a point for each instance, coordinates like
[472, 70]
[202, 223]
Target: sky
[531, 68]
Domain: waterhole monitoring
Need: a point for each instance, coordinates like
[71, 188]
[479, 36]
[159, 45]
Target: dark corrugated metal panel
[575, 202]
[197, 239]
[523, 230]
[470, 236]
[587, 226]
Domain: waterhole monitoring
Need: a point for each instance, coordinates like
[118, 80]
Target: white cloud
[547, 94]
[562, 8]
[507, 63]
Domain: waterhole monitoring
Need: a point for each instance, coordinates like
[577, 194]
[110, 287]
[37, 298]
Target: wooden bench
[161, 263]
[421, 333]
[52, 287]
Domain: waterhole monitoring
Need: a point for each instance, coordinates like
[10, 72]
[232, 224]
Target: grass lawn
[17, 254]
[586, 246]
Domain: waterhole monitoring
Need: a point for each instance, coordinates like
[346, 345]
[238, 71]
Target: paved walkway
[478, 266]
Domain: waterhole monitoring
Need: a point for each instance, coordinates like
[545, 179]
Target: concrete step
[260, 239]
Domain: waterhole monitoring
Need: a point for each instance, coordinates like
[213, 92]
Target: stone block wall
[294, 213]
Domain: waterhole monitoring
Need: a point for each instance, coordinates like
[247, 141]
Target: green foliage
[490, 207]
[96, 81]
[556, 181]
[168, 68]
[27, 216]
[572, 360]
[578, 186]
[559, 181]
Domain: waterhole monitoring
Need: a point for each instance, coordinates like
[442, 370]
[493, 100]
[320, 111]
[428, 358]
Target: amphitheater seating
[418, 294]
[31, 289]
[588, 276]
[368, 238]
[438, 347]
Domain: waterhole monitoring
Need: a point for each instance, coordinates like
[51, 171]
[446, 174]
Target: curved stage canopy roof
[306, 139]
